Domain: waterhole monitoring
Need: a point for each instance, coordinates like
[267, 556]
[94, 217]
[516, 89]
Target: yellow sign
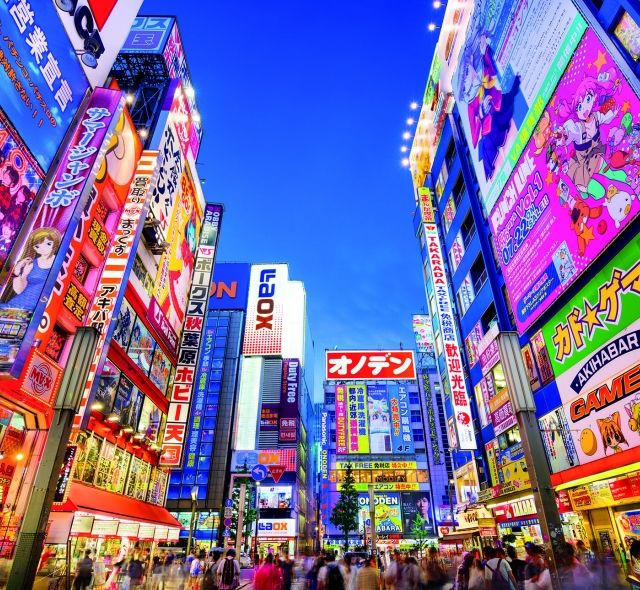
[386, 487]
[595, 495]
[377, 464]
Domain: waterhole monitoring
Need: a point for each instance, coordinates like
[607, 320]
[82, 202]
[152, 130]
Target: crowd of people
[491, 568]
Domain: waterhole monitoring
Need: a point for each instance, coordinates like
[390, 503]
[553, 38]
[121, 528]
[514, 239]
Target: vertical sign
[182, 390]
[66, 473]
[453, 361]
[289, 394]
[324, 467]
[109, 292]
[358, 423]
[341, 419]
[431, 419]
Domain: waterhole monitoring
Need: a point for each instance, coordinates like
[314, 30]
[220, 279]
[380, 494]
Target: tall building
[372, 419]
[517, 235]
[253, 414]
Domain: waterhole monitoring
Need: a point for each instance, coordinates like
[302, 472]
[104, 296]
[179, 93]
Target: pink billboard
[341, 419]
[575, 187]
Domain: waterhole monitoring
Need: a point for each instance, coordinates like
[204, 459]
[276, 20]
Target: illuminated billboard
[388, 512]
[97, 29]
[52, 230]
[175, 430]
[567, 180]
[379, 419]
[374, 365]
[358, 437]
[423, 332]
[274, 497]
[230, 286]
[263, 327]
[506, 73]
[461, 434]
[289, 399]
[594, 345]
[42, 85]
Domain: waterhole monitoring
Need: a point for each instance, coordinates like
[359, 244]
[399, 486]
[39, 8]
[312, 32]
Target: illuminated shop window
[627, 32]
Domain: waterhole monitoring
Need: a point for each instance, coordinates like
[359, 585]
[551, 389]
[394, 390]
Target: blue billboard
[230, 287]
[41, 81]
[148, 34]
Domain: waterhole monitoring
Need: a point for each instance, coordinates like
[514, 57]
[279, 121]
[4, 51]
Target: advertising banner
[388, 512]
[512, 468]
[274, 497]
[42, 84]
[425, 198]
[117, 266]
[324, 467]
[177, 262]
[502, 415]
[269, 418]
[558, 444]
[341, 420]
[506, 74]
[414, 504]
[357, 419]
[97, 30]
[148, 34]
[379, 419]
[181, 392]
[276, 528]
[594, 346]
[423, 332]
[230, 287]
[53, 228]
[463, 436]
[433, 427]
[289, 399]
[575, 187]
[20, 180]
[263, 328]
[375, 365]
[245, 461]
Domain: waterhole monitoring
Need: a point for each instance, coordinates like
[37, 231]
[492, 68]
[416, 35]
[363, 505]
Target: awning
[84, 498]
[460, 535]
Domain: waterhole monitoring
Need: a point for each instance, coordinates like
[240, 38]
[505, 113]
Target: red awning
[86, 498]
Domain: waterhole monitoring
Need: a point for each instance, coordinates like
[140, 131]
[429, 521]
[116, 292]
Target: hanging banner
[341, 419]
[175, 429]
[380, 441]
[357, 419]
[289, 399]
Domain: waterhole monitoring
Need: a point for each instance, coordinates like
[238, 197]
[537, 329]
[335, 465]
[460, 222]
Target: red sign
[345, 365]
[42, 378]
[276, 472]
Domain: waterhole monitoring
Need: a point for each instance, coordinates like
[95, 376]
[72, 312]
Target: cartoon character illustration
[489, 106]
[564, 263]
[32, 270]
[580, 213]
[592, 106]
[612, 435]
[633, 411]
[542, 133]
[123, 326]
[618, 204]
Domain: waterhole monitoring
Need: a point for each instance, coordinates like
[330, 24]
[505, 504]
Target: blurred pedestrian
[517, 565]
[367, 578]
[84, 571]
[572, 573]
[470, 575]
[434, 570]
[536, 573]
[286, 569]
[229, 571]
[497, 571]
[268, 576]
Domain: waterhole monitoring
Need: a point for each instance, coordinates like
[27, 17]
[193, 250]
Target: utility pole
[524, 407]
[372, 518]
[243, 492]
[33, 531]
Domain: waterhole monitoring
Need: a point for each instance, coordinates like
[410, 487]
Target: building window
[468, 230]
[489, 318]
[329, 398]
[465, 294]
[414, 398]
[478, 274]
[458, 190]
[416, 416]
[449, 213]
[442, 180]
[418, 436]
[450, 154]
[507, 300]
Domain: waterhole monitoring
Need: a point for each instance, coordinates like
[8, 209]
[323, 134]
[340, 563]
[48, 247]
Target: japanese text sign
[341, 419]
[180, 399]
[289, 395]
[401, 435]
[42, 84]
[357, 419]
[559, 211]
[459, 396]
[425, 197]
[346, 365]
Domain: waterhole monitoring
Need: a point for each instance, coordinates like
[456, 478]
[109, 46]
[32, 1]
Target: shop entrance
[603, 531]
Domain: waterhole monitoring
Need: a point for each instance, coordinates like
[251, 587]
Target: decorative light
[414, 105]
[113, 417]
[130, 98]
[406, 135]
[403, 149]
[19, 456]
[437, 4]
[432, 27]
[190, 92]
[196, 117]
[127, 429]
[139, 436]
[410, 121]
[143, 133]
[405, 162]
[97, 406]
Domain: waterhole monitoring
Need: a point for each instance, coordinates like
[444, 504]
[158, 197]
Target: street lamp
[194, 505]
[451, 487]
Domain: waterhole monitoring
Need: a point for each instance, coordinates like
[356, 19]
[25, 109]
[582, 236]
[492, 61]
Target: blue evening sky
[303, 106]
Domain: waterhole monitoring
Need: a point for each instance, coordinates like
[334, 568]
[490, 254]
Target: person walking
[517, 565]
[229, 571]
[84, 571]
[367, 578]
[268, 576]
[536, 574]
[497, 572]
[434, 571]
[471, 573]
[286, 569]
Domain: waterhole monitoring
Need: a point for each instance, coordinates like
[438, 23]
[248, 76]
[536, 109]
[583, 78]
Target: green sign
[604, 307]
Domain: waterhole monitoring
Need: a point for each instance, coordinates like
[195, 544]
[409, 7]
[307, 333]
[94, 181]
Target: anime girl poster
[503, 70]
[576, 185]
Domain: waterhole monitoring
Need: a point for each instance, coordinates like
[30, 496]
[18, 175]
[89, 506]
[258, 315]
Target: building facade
[519, 239]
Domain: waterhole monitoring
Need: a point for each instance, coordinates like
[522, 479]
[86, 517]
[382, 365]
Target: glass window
[88, 455]
[218, 353]
[141, 346]
[128, 403]
[107, 387]
[418, 436]
[124, 324]
[416, 416]
[627, 32]
[160, 369]
[217, 363]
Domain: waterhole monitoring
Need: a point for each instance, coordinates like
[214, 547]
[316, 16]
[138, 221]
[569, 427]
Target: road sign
[226, 533]
[227, 522]
[276, 472]
[228, 503]
[228, 512]
[259, 472]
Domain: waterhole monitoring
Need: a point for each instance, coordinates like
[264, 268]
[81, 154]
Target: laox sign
[273, 526]
[266, 305]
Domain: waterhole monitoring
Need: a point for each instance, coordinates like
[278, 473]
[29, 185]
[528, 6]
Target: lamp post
[194, 506]
[450, 488]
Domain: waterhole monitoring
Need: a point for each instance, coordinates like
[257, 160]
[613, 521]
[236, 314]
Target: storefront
[108, 524]
[517, 522]
[276, 535]
[476, 528]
